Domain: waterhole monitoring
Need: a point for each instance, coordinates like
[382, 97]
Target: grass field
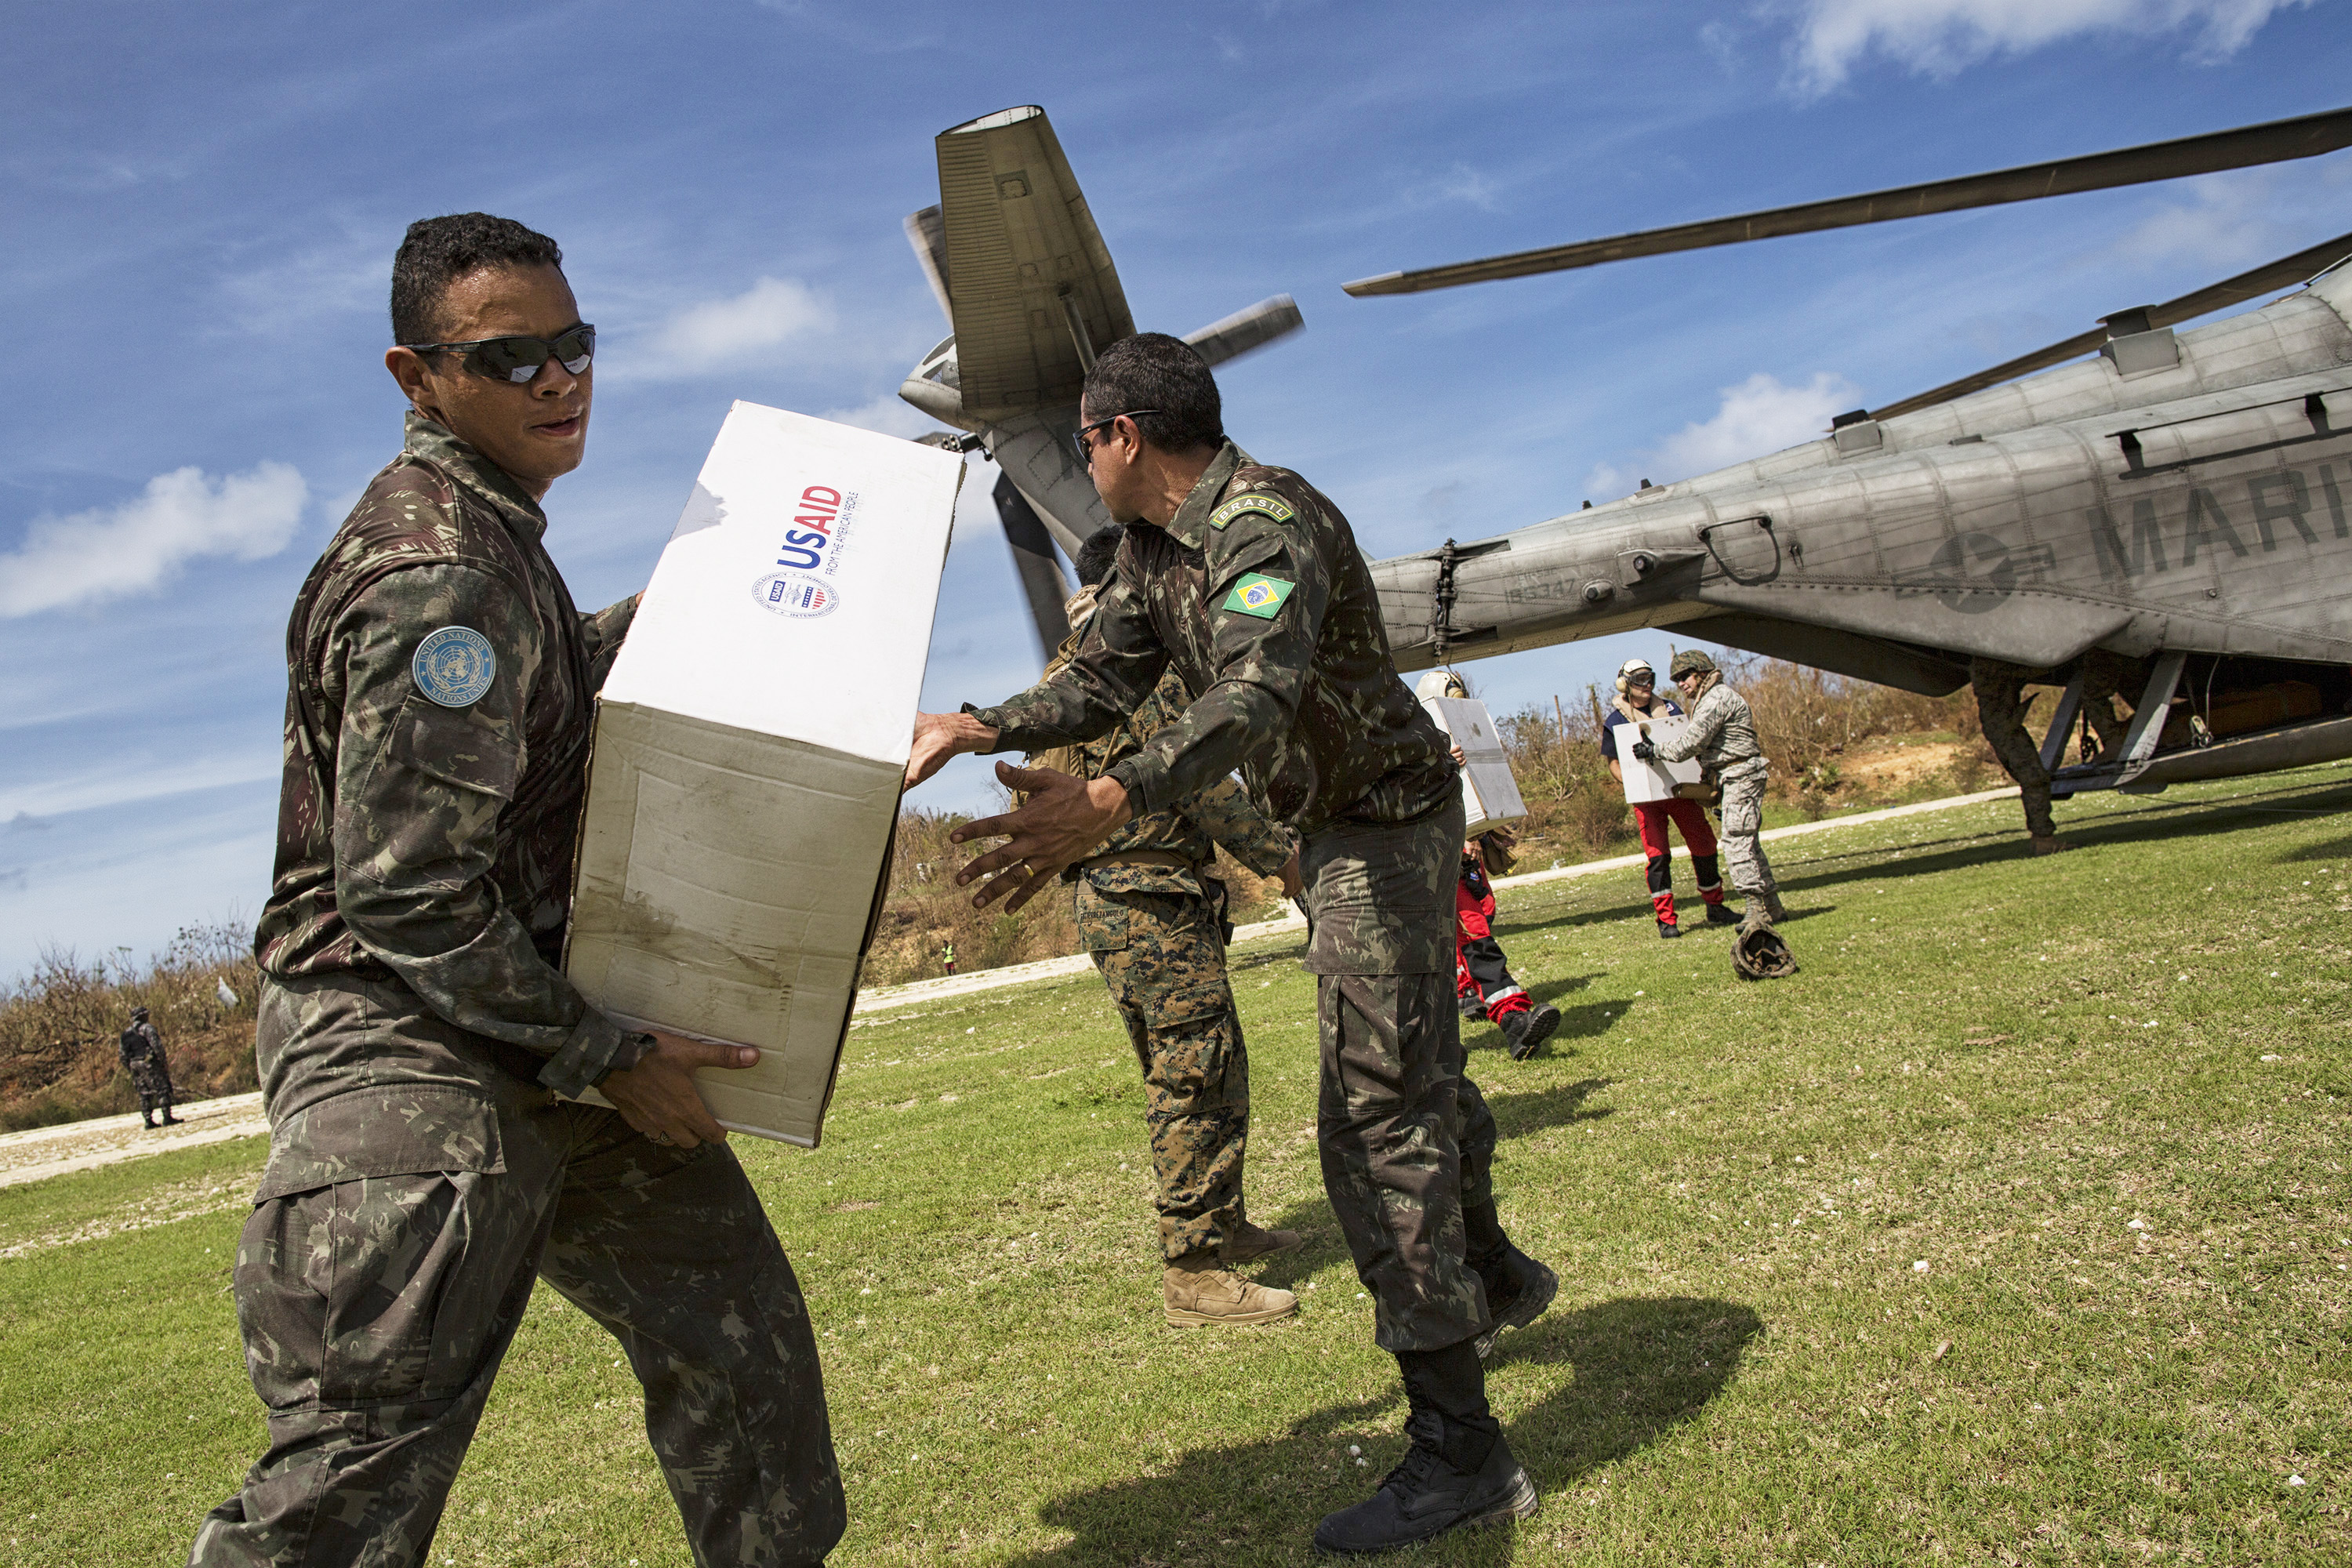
[2014, 1229]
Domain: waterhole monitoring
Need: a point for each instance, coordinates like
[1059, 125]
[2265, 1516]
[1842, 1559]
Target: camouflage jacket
[1191, 829]
[440, 685]
[1257, 597]
[140, 1043]
[1721, 732]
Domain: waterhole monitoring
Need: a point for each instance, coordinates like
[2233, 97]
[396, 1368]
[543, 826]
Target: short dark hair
[438, 251]
[1098, 554]
[1152, 369]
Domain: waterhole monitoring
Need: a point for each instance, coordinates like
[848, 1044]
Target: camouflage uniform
[412, 1023]
[2000, 709]
[1722, 735]
[140, 1050]
[1257, 597]
[1154, 921]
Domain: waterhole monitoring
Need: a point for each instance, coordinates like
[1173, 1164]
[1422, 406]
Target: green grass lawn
[2014, 1229]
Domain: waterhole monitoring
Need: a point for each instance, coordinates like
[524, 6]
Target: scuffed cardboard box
[1490, 796]
[749, 744]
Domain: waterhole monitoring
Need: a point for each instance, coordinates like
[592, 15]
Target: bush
[59, 1025]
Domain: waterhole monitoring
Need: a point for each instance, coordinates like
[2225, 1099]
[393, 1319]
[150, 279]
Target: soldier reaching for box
[1636, 700]
[1247, 582]
[1722, 735]
[416, 1030]
[142, 1051]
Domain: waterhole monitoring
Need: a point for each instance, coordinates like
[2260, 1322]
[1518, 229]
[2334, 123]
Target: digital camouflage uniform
[140, 1050]
[1722, 735]
[1153, 920]
[415, 1030]
[1257, 597]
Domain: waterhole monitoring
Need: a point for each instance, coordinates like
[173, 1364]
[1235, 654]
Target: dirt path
[85, 1145]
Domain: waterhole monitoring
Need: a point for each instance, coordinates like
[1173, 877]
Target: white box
[1490, 796]
[1650, 781]
[750, 746]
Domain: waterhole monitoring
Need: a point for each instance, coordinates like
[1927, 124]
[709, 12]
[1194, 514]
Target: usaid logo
[797, 594]
[811, 534]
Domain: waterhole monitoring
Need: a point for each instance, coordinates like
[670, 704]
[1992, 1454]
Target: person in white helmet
[1637, 700]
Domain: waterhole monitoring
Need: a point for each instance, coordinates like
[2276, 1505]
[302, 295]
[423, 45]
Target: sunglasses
[518, 359]
[1085, 448]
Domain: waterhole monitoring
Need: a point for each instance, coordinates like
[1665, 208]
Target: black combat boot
[1525, 1030]
[169, 1119]
[147, 1119]
[1472, 1008]
[1721, 914]
[1669, 931]
[1458, 1471]
[1519, 1287]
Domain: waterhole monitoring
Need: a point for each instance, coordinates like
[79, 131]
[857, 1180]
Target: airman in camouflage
[1153, 920]
[1246, 582]
[141, 1051]
[416, 1029]
[1721, 734]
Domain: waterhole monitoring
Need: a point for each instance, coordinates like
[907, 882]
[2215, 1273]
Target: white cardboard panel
[1646, 782]
[1490, 795]
[749, 744]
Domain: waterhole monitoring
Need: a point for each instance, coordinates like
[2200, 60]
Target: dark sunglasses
[518, 359]
[1085, 448]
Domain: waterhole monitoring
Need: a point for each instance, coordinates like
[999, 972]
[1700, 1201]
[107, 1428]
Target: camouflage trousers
[375, 1312]
[1744, 865]
[1163, 956]
[2000, 709]
[1405, 1137]
[153, 1080]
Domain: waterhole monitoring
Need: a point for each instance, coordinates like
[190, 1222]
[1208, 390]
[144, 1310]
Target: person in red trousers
[1481, 978]
[1637, 700]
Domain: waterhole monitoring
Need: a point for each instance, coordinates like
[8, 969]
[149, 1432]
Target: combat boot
[1249, 1241]
[1774, 908]
[1525, 1030]
[169, 1119]
[1199, 1293]
[1459, 1470]
[1719, 914]
[1668, 930]
[1518, 1288]
[147, 1119]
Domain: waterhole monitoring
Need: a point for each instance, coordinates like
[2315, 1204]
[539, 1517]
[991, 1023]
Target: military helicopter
[2173, 505]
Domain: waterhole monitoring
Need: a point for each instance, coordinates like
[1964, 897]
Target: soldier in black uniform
[141, 1052]
[1247, 582]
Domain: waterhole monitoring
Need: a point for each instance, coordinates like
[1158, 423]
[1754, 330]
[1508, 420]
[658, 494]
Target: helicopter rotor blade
[1246, 329]
[927, 231]
[2270, 276]
[2275, 142]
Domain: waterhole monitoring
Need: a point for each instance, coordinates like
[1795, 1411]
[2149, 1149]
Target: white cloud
[890, 414]
[131, 548]
[1756, 417]
[721, 335]
[1940, 37]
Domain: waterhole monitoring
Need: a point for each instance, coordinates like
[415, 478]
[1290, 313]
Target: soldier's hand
[1064, 819]
[657, 1098]
[1644, 751]
[939, 737]
[1293, 883]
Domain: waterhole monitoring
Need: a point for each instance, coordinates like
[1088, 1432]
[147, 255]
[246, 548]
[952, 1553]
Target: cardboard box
[1646, 782]
[1490, 796]
[749, 744]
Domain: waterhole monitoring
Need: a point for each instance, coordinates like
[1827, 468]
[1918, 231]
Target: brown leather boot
[1249, 1241]
[1199, 1293]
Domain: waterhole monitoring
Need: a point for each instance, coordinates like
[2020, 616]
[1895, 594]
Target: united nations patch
[454, 666]
[1261, 596]
[1278, 509]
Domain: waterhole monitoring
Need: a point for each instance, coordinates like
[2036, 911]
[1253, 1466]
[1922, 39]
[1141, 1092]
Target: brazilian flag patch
[1261, 596]
[1278, 509]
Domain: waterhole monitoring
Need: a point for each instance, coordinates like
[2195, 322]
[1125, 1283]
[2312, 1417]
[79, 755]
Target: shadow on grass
[1616, 1376]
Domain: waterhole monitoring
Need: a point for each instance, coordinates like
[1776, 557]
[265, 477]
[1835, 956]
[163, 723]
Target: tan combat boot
[1249, 1241]
[1773, 908]
[1200, 1292]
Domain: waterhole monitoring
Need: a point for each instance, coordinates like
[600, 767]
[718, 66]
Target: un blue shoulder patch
[454, 666]
[1280, 510]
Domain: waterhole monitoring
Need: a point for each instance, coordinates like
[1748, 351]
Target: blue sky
[204, 203]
